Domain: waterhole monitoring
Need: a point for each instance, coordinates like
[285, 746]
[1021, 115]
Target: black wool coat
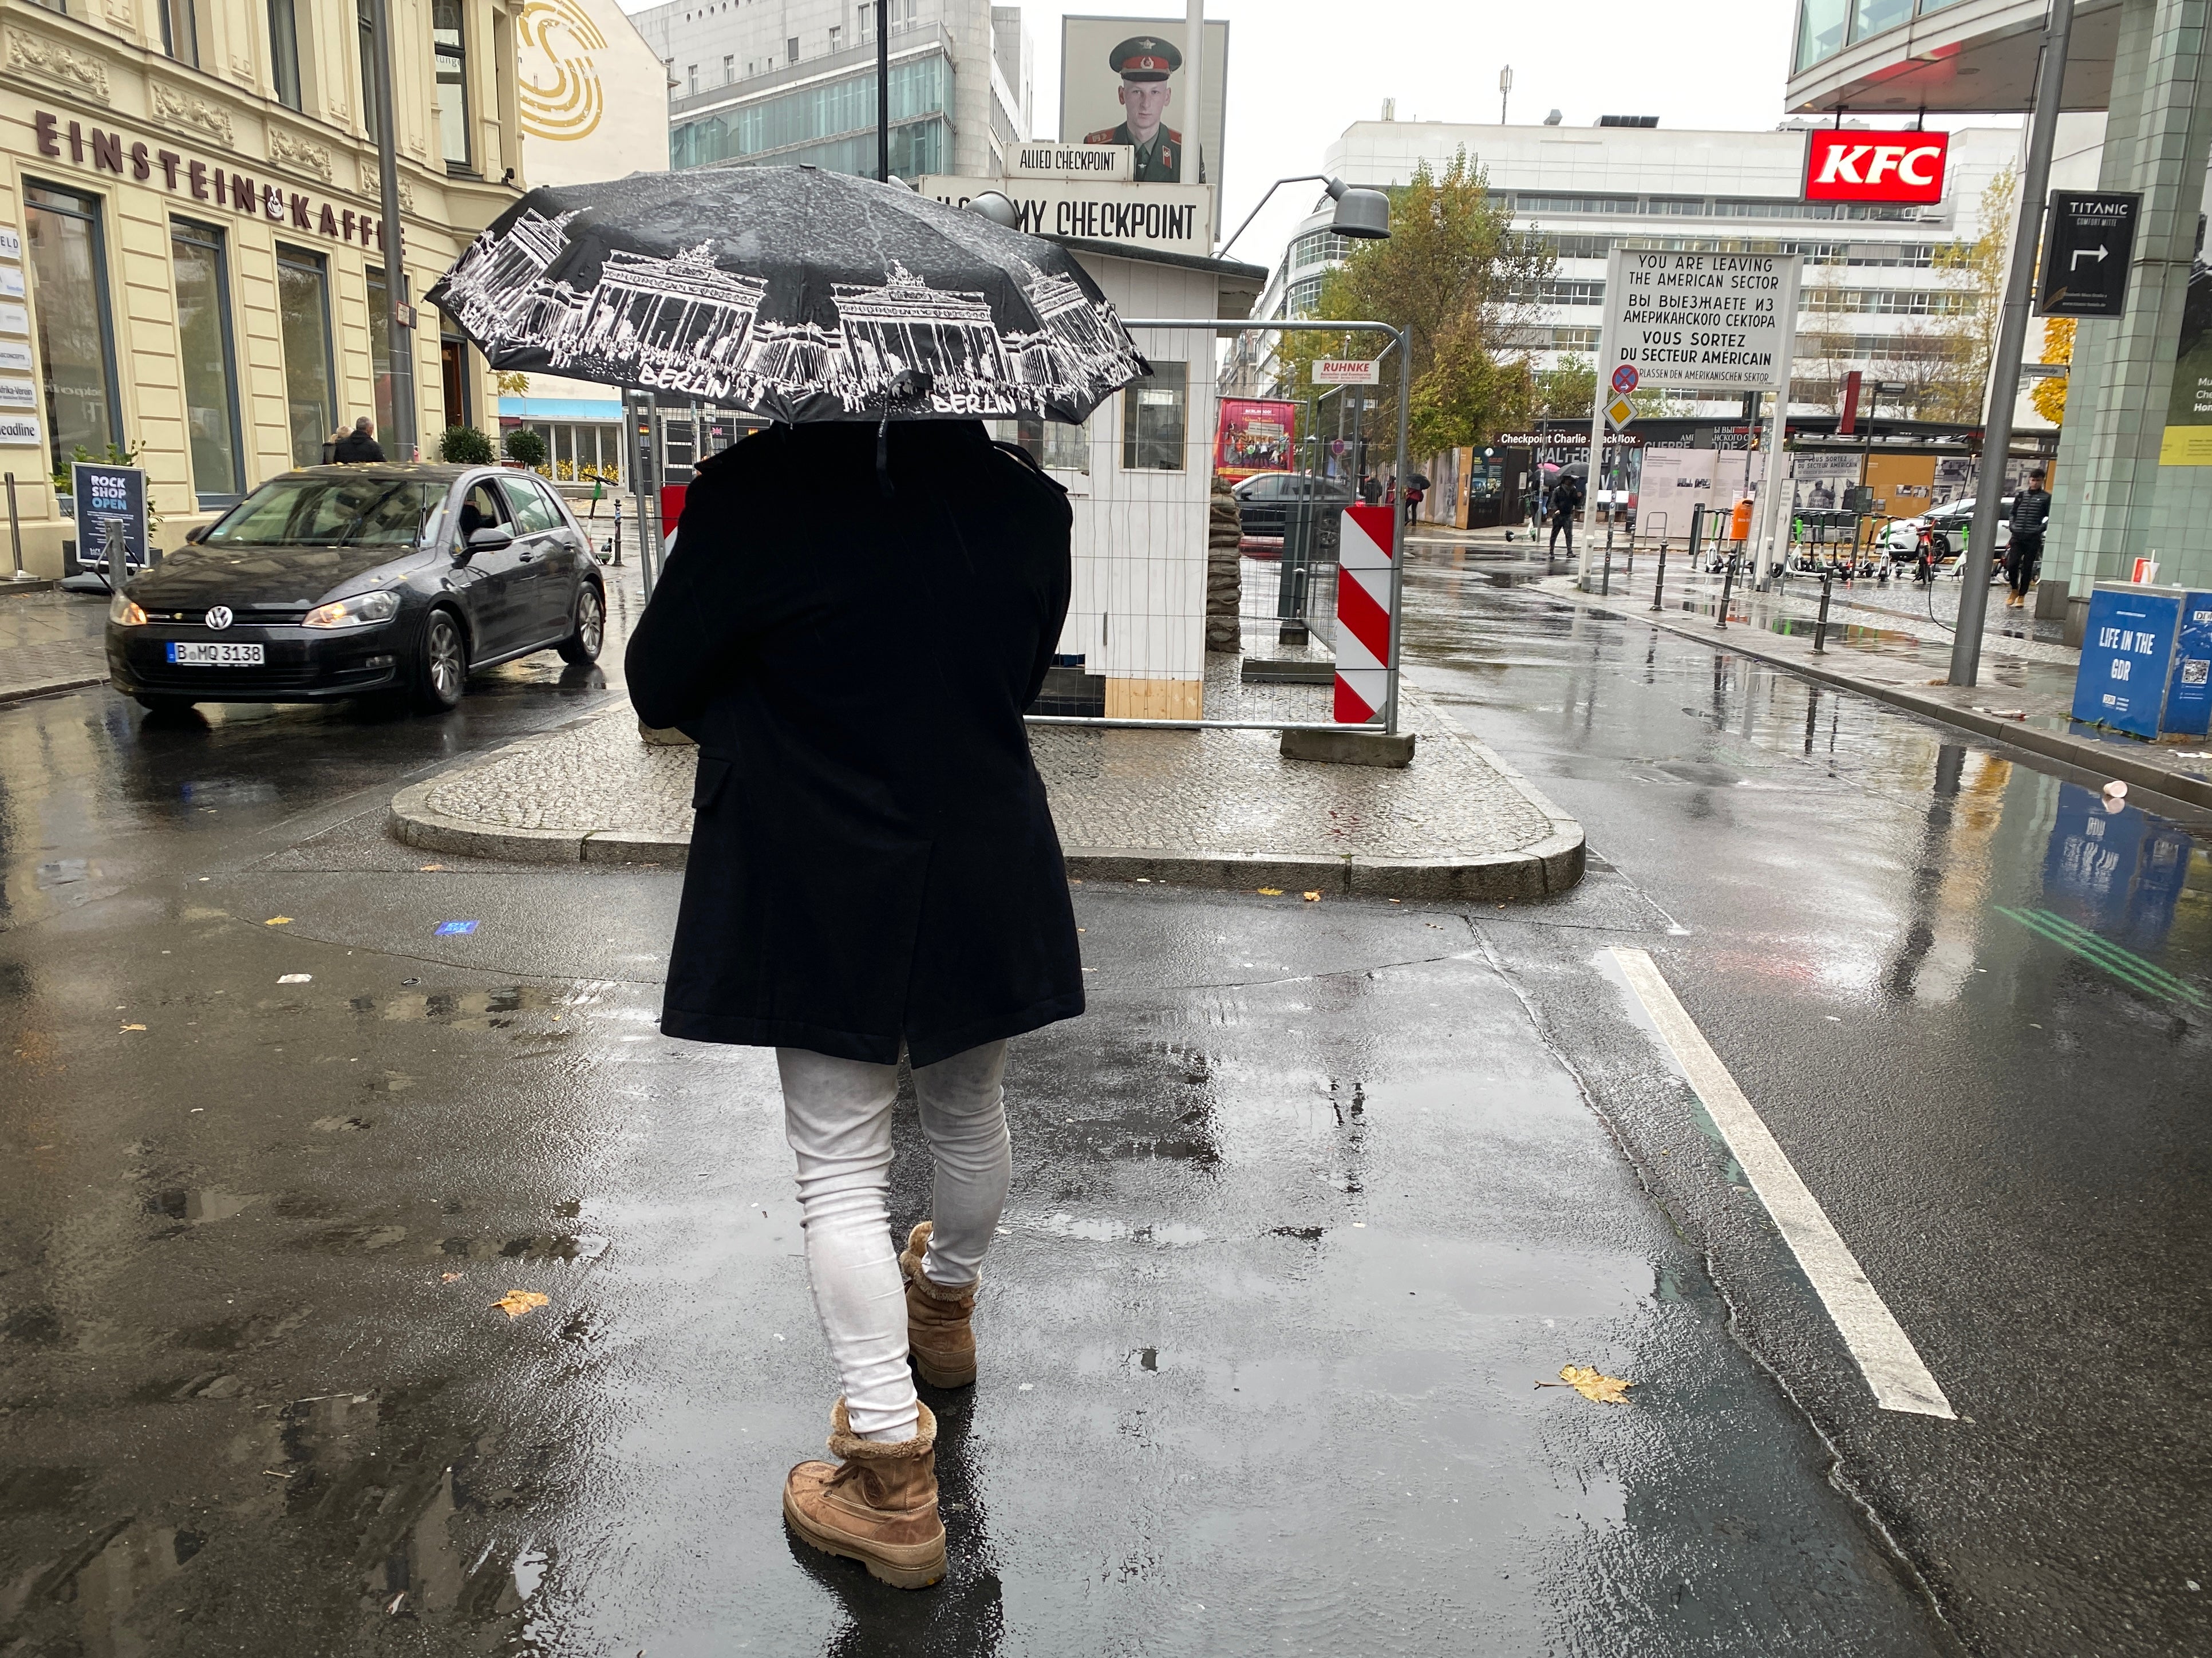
[872, 860]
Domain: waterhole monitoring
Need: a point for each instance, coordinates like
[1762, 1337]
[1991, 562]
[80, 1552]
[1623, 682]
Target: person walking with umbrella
[873, 876]
[1566, 499]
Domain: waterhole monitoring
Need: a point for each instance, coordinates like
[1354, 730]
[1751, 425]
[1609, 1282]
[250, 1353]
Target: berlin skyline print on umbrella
[791, 293]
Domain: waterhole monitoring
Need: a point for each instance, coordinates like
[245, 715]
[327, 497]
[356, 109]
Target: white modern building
[1871, 282]
[786, 81]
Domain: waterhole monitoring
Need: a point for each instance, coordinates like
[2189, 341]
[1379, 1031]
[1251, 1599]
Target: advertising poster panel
[2188, 438]
[1821, 478]
[1122, 81]
[1256, 436]
[1676, 483]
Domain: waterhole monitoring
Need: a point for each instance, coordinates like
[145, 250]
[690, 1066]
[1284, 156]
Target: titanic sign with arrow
[2088, 240]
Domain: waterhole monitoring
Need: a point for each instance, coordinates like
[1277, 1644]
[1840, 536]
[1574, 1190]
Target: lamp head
[997, 208]
[1363, 214]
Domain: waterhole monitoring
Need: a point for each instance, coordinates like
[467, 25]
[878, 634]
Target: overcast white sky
[1300, 71]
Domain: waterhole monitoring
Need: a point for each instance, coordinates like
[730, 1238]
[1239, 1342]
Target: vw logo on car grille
[218, 618]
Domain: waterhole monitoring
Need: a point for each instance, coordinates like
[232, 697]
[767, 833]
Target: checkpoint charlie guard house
[191, 239]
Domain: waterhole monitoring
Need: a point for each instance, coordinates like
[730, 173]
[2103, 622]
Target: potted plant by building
[464, 446]
[524, 447]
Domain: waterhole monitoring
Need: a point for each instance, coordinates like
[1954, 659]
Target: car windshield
[330, 512]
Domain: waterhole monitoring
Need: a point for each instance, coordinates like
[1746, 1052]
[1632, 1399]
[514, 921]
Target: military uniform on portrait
[1143, 63]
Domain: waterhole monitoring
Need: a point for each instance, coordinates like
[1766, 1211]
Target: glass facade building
[830, 126]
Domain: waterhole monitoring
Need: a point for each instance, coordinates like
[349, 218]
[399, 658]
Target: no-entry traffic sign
[1625, 377]
[2088, 241]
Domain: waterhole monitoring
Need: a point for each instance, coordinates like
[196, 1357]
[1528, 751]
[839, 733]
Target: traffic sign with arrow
[1625, 377]
[2088, 242]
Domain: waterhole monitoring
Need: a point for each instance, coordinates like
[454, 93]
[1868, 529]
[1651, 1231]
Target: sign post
[1711, 322]
[2089, 241]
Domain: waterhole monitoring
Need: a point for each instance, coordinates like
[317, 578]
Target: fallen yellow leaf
[515, 1303]
[1598, 1389]
[450, 1277]
[134, 1027]
[426, 868]
[278, 920]
[1271, 892]
[1311, 897]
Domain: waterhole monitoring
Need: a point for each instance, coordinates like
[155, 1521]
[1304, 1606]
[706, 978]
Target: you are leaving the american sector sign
[1710, 321]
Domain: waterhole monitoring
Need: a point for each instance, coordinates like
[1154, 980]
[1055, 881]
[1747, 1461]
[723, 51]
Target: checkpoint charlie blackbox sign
[1711, 321]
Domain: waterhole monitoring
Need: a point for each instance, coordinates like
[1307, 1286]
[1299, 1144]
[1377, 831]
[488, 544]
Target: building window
[1152, 419]
[204, 333]
[791, 49]
[365, 35]
[729, 69]
[1870, 17]
[380, 344]
[180, 33]
[920, 88]
[453, 372]
[691, 79]
[451, 46]
[836, 38]
[68, 261]
[303, 313]
[284, 51]
[867, 20]
[1819, 30]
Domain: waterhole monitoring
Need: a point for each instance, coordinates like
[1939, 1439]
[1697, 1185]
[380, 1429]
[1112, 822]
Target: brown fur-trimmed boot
[939, 1333]
[878, 1505]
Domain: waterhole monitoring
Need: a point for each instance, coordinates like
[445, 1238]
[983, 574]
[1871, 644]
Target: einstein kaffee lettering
[217, 183]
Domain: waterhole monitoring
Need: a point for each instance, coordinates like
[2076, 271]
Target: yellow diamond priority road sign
[1619, 412]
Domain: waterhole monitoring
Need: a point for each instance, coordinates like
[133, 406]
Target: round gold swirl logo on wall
[559, 88]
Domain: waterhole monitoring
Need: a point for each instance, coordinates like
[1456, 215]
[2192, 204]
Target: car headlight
[356, 612]
[123, 612]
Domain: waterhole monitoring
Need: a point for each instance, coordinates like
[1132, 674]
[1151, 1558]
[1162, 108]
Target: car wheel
[167, 704]
[582, 645]
[442, 663]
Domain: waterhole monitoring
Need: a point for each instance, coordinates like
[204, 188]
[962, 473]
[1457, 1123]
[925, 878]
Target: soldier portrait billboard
[1123, 81]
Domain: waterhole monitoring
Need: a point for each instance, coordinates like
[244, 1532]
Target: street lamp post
[883, 98]
[399, 328]
[2012, 341]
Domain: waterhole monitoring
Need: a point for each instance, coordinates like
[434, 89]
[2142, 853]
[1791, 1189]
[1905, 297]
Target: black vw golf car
[332, 581]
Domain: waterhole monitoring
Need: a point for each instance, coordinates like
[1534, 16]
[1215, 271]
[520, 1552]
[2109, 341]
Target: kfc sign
[1863, 166]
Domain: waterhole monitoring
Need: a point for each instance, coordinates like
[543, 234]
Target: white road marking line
[1884, 1353]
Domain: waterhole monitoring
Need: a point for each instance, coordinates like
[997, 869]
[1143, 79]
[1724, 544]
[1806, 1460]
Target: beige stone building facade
[192, 262]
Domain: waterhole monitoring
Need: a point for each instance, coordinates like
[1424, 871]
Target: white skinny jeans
[837, 1116]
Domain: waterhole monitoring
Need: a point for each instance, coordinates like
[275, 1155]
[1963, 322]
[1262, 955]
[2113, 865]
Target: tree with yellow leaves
[2050, 394]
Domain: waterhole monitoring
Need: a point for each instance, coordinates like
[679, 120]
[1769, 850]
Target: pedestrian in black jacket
[873, 872]
[360, 444]
[2031, 512]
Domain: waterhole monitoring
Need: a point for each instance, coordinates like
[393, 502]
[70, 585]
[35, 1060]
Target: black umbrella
[1417, 480]
[796, 294]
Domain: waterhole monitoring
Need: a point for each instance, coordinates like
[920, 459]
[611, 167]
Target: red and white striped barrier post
[1363, 630]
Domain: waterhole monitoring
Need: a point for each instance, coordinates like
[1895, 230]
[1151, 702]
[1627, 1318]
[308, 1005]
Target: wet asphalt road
[1302, 1211]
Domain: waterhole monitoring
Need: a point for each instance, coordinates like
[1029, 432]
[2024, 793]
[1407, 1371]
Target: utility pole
[1504, 87]
[2011, 340]
[398, 327]
[883, 97]
[1193, 81]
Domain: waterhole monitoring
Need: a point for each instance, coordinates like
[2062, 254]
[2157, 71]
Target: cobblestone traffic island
[1216, 808]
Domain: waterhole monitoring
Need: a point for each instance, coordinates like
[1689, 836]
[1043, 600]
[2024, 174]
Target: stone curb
[2100, 760]
[51, 687]
[1551, 866]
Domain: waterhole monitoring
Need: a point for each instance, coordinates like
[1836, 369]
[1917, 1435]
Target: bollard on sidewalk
[1728, 584]
[1659, 582]
[1820, 627]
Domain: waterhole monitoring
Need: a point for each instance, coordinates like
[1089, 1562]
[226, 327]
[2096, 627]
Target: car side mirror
[199, 532]
[489, 539]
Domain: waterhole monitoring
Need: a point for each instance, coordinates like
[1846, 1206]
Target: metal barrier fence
[1149, 576]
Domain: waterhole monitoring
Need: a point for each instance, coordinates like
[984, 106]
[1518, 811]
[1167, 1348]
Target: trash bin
[2145, 661]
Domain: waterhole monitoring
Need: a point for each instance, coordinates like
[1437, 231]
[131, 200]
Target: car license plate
[194, 654]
